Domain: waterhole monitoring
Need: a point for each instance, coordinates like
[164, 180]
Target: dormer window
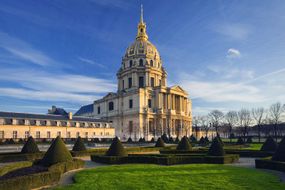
[151, 63]
[141, 62]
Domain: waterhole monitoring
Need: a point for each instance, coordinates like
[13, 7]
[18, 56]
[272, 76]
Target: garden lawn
[155, 177]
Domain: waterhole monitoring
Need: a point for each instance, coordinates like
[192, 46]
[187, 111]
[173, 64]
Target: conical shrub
[152, 140]
[30, 146]
[116, 148]
[164, 138]
[159, 143]
[56, 153]
[193, 139]
[171, 140]
[269, 145]
[249, 140]
[130, 140]
[141, 140]
[206, 139]
[216, 148]
[219, 138]
[240, 141]
[177, 140]
[79, 145]
[202, 141]
[279, 155]
[184, 144]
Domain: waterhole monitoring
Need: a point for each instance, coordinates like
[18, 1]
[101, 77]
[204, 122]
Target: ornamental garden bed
[269, 164]
[165, 159]
[250, 153]
[47, 171]
[18, 156]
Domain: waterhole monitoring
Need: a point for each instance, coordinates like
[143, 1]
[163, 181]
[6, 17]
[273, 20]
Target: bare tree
[216, 119]
[244, 118]
[275, 112]
[231, 118]
[196, 121]
[258, 116]
[205, 124]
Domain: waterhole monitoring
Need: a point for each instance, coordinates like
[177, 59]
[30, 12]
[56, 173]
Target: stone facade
[49, 126]
[143, 105]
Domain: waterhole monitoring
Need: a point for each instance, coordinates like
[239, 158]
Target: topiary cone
[159, 143]
[116, 148]
[216, 148]
[30, 146]
[279, 155]
[177, 140]
[240, 141]
[79, 145]
[56, 153]
[184, 144]
[129, 140]
[269, 145]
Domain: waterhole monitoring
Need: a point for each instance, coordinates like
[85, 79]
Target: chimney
[70, 115]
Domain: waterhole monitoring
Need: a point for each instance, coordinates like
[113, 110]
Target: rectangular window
[94, 134]
[111, 106]
[15, 134]
[38, 134]
[123, 84]
[59, 133]
[159, 82]
[27, 134]
[77, 134]
[98, 110]
[131, 103]
[1, 134]
[130, 82]
[149, 103]
[48, 135]
[141, 82]
[86, 135]
[68, 135]
[130, 127]
[152, 82]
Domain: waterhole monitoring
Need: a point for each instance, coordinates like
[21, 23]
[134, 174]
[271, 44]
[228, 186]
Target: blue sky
[226, 54]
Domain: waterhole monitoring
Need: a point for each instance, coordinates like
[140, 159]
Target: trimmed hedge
[116, 148]
[269, 145]
[270, 164]
[184, 144]
[79, 145]
[159, 143]
[216, 148]
[56, 153]
[279, 155]
[165, 159]
[14, 166]
[17, 156]
[30, 146]
[52, 176]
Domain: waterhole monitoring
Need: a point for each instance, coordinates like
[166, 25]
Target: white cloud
[235, 31]
[54, 86]
[24, 51]
[233, 53]
[91, 62]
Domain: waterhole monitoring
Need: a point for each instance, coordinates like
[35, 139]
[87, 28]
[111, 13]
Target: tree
[275, 112]
[244, 118]
[258, 116]
[216, 119]
[205, 124]
[231, 118]
[196, 122]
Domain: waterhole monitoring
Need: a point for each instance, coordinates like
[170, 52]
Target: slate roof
[84, 109]
[47, 116]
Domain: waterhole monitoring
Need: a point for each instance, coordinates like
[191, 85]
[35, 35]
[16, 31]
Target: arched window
[111, 106]
[151, 63]
[131, 63]
[141, 62]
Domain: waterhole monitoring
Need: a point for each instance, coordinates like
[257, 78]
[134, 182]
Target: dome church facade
[143, 106]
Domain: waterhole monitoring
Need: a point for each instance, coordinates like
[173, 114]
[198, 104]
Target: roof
[84, 109]
[47, 116]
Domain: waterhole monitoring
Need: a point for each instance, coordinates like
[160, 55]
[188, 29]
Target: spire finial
[141, 13]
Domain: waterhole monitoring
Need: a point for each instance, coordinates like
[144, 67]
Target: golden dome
[141, 46]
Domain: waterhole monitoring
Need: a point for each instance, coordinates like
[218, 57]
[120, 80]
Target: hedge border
[269, 164]
[52, 176]
[18, 156]
[250, 153]
[165, 159]
[14, 166]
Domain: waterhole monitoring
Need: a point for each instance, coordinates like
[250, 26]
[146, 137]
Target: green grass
[155, 177]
